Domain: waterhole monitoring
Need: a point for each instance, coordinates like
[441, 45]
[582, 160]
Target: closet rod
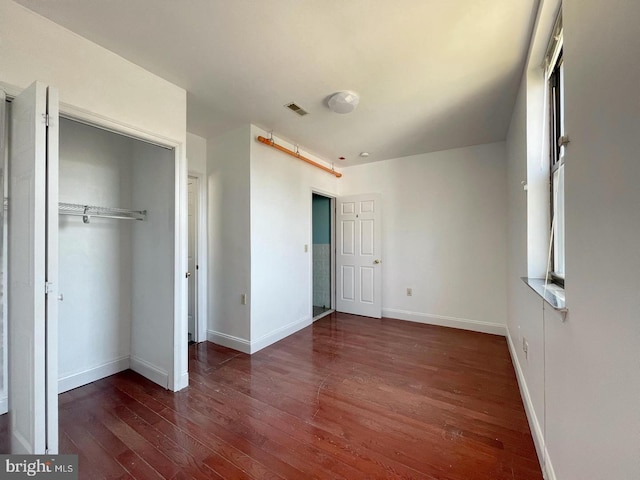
[88, 211]
[271, 143]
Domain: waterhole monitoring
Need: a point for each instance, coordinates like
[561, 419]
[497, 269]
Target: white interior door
[358, 262]
[193, 191]
[32, 271]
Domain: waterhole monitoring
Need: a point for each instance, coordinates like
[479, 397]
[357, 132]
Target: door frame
[202, 260]
[333, 198]
[178, 376]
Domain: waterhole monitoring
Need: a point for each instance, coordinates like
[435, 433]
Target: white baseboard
[548, 472]
[150, 371]
[229, 341]
[78, 379]
[443, 321]
[534, 424]
[322, 315]
[280, 333]
[4, 404]
[245, 346]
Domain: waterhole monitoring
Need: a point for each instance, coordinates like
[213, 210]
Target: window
[557, 143]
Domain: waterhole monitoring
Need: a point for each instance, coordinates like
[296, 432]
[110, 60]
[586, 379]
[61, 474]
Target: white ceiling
[431, 74]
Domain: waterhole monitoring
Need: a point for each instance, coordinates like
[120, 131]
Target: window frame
[556, 146]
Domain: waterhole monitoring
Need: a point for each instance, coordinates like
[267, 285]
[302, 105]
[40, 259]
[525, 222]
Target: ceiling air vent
[296, 108]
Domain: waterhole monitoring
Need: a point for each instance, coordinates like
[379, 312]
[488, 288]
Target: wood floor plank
[348, 397]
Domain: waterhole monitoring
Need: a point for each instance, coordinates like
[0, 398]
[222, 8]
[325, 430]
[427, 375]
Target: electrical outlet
[409, 292]
[525, 347]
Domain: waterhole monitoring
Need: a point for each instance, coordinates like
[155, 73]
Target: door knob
[376, 261]
[188, 274]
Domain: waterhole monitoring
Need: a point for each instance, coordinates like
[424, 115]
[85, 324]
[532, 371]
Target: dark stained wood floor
[349, 397]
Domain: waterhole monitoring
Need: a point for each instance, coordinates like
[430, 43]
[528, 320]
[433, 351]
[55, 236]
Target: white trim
[245, 346]
[4, 404]
[534, 424]
[444, 321]
[92, 374]
[229, 341]
[322, 315]
[94, 119]
[548, 472]
[202, 258]
[280, 333]
[10, 90]
[180, 363]
[183, 381]
[150, 371]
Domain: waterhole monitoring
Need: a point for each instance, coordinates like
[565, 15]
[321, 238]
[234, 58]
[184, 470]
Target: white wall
[524, 309]
[88, 76]
[196, 153]
[95, 258]
[259, 224]
[152, 335]
[444, 234]
[591, 386]
[229, 224]
[281, 270]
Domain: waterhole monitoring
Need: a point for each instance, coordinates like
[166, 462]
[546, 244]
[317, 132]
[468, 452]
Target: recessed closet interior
[115, 274]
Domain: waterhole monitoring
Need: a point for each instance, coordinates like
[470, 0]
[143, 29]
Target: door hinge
[46, 119]
[48, 288]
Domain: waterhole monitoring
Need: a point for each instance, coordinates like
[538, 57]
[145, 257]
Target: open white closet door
[4, 341]
[32, 271]
[358, 264]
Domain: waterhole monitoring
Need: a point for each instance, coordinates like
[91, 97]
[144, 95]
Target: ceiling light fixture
[343, 102]
[364, 154]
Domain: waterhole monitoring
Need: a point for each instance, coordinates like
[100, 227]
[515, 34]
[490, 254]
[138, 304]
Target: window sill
[552, 294]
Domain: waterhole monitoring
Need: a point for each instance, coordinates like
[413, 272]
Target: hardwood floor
[349, 397]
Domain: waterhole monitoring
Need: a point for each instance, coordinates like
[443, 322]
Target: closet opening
[116, 270]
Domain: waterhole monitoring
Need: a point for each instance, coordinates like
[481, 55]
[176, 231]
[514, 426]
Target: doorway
[323, 258]
[192, 257]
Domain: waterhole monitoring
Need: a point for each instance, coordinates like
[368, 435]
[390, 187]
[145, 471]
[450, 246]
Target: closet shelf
[88, 211]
